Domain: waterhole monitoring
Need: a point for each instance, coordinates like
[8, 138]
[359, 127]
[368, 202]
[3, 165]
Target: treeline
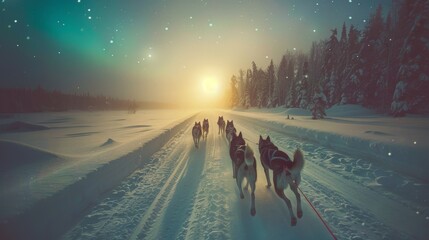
[18, 100]
[384, 67]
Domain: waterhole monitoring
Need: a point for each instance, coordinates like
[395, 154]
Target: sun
[210, 86]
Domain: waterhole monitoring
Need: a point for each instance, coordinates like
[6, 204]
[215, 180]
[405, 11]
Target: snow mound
[19, 126]
[378, 133]
[349, 110]
[137, 126]
[108, 142]
[14, 155]
[298, 112]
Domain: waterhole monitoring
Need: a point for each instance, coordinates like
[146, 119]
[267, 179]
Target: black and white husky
[244, 166]
[230, 130]
[285, 172]
[221, 124]
[205, 128]
[196, 133]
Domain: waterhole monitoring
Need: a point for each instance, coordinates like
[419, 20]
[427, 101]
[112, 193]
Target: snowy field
[110, 175]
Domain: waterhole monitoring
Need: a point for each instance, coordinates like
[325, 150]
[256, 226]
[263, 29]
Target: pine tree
[241, 89]
[282, 83]
[351, 92]
[319, 104]
[330, 79]
[290, 80]
[302, 87]
[372, 47]
[234, 92]
[270, 81]
[342, 64]
[411, 92]
[262, 93]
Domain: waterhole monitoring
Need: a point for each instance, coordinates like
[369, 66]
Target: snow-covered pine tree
[254, 86]
[319, 104]
[412, 90]
[315, 66]
[281, 79]
[302, 87]
[342, 64]
[247, 88]
[234, 92]
[270, 81]
[290, 79]
[330, 79]
[241, 89]
[372, 48]
[262, 89]
[351, 92]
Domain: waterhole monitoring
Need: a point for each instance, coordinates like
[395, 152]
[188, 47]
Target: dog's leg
[234, 175]
[281, 194]
[239, 180]
[252, 187]
[294, 189]
[267, 175]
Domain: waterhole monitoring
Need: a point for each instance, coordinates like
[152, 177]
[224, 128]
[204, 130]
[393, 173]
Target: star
[166, 28]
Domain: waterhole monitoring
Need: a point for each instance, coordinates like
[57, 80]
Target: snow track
[189, 193]
[186, 193]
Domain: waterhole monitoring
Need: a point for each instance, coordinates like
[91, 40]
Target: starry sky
[158, 50]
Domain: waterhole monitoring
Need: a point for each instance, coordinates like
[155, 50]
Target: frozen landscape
[101, 104]
[112, 175]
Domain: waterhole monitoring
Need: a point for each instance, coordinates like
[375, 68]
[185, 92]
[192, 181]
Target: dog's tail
[249, 156]
[298, 162]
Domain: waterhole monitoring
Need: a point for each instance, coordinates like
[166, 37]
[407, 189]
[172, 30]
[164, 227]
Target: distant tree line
[384, 67]
[17, 100]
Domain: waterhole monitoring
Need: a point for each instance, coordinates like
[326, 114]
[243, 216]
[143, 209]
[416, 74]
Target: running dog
[285, 172]
[230, 130]
[196, 133]
[205, 128]
[244, 166]
[221, 124]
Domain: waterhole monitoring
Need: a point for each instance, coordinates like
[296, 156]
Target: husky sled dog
[285, 172]
[196, 133]
[244, 166]
[230, 130]
[205, 128]
[221, 124]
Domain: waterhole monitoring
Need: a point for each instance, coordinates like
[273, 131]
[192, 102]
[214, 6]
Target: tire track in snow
[154, 211]
[179, 202]
[211, 214]
[120, 212]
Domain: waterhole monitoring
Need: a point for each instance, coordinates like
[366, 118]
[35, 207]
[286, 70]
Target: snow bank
[396, 143]
[15, 154]
[19, 126]
[80, 186]
[349, 110]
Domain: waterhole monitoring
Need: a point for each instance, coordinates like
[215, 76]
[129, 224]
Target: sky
[182, 52]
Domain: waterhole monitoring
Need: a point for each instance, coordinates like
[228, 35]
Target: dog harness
[271, 155]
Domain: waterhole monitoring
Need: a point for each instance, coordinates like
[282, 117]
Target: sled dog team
[286, 172]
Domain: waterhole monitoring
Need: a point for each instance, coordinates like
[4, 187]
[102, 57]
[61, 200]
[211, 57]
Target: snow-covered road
[188, 193]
